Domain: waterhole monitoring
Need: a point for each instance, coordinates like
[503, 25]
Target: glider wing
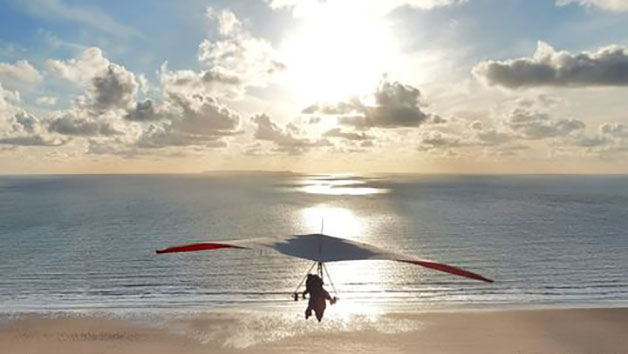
[324, 248]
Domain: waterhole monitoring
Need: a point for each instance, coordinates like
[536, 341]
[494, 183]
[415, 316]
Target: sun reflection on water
[339, 185]
[335, 221]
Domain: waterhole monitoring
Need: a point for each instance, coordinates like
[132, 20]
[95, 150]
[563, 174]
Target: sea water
[87, 242]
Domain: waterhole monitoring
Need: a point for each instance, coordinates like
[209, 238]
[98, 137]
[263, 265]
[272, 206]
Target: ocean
[87, 242]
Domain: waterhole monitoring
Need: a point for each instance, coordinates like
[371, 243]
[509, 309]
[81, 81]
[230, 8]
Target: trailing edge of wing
[447, 269]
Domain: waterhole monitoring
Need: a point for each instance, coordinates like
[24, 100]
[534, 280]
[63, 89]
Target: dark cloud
[396, 105]
[606, 66]
[195, 120]
[144, 112]
[26, 122]
[113, 89]
[71, 125]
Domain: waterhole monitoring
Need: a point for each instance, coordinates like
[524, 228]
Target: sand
[569, 331]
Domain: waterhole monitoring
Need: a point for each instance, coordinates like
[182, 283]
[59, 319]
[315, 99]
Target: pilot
[318, 297]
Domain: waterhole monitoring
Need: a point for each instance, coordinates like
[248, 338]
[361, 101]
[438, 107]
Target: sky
[400, 86]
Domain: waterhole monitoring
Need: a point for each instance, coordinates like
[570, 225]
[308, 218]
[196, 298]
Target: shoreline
[359, 308]
[573, 331]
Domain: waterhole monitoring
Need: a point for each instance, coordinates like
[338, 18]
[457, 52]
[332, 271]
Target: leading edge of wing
[247, 243]
[203, 246]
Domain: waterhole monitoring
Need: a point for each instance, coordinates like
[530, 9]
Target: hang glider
[321, 249]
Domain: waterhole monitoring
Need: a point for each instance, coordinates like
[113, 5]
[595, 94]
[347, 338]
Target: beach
[551, 331]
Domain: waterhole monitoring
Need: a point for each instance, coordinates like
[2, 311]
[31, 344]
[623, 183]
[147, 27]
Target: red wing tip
[487, 280]
[449, 269]
[196, 247]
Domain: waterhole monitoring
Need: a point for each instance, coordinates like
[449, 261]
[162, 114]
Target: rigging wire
[330, 282]
[295, 292]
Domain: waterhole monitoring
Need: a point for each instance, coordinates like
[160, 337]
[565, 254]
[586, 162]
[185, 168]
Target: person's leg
[308, 310]
[319, 310]
[319, 314]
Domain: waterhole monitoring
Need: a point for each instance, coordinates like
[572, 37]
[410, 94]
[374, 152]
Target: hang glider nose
[324, 248]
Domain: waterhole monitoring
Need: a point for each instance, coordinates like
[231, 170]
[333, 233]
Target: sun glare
[338, 52]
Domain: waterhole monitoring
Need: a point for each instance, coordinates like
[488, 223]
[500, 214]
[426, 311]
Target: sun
[337, 52]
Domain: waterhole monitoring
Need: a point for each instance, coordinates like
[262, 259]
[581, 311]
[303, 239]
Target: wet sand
[569, 331]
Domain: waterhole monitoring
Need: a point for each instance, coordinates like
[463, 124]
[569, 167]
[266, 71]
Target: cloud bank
[607, 66]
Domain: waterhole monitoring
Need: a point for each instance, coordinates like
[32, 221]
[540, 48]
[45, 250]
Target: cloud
[46, 101]
[338, 133]
[204, 115]
[610, 138]
[227, 21]
[527, 119]
[283, 139]
[82, 69]
[396, 105]
[253, 61]
[607, 66]
[18, 127]
[234, 62]
[533, 125]
[157, 137]
[493, 142]
[191, 121]
[115, 88]
[78, 126]
[8, 101]
[110, 95]
[144, 112]
[615, 130]
[433, 140]
[21, 71]
[214, 82]
[25, 129]
[610, 5]
[338, 108]
[108, 112]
